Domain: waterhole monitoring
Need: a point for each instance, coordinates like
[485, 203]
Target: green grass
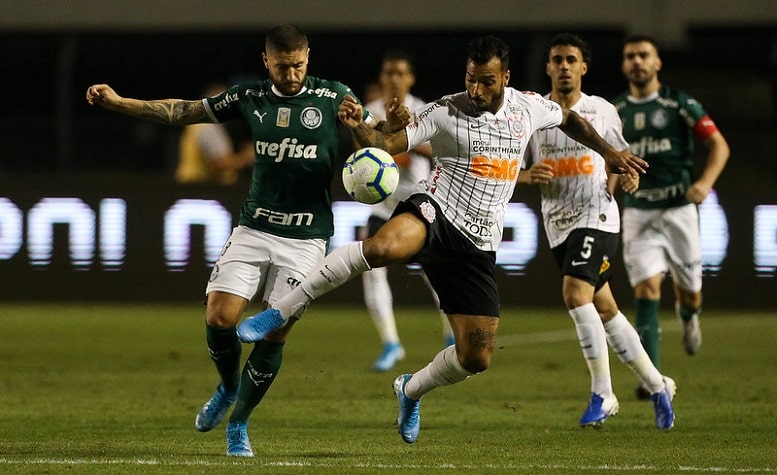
[114, 388]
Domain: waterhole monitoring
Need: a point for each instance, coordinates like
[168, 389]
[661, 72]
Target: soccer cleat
[691, 335]
[662, 404]
[598, 410]
[392, 352]
[257, 327]
[409, 420]
[448, 341]
[213, 411]
[238, 444]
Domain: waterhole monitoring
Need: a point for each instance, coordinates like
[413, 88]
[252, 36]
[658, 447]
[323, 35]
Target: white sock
[593, 342]
[444, 370]
[337, 268]
[378, 298]
[624, 340]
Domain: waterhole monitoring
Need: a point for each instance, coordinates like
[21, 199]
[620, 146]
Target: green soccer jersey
[661, 130]
[296, 143]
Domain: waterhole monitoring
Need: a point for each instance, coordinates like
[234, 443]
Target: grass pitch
[91, 388]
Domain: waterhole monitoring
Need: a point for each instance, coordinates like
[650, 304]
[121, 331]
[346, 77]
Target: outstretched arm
[620, 162]
[163, 111]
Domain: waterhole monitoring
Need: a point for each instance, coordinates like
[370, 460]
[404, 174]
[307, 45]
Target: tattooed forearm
[369, 137]
[173, 112]
[482, 339]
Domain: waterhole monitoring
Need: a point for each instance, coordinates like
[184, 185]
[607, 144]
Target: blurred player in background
[285, 222]
[397, 77]
[661, 220]
[582, 223]
[454, 225]
[207, 154]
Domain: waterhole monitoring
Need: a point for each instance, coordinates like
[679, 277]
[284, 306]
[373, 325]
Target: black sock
[225, 348]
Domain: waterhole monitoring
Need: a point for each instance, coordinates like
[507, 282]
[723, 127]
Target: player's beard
[640, 77]
[291, 88]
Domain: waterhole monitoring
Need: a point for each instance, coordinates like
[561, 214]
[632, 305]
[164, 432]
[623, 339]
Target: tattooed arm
[163, 111]
[350, 114]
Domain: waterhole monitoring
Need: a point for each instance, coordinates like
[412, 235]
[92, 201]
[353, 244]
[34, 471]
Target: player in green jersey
[660, 220]
[285, 222]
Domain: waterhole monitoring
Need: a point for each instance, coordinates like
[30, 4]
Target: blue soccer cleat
[213, 411]
[257, 327]
[448, 341]
[238, 444]
[409, 420]
[662, 404]
[392, 352]
[598, 410]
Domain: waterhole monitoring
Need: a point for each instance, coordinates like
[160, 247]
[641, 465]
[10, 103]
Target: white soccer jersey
[409, 176]
[478, 157]
[577, 196]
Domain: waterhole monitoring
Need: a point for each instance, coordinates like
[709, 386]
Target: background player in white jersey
[582, 223]
[282, 231]
[396, 78]
[453, 226]
[661, 220]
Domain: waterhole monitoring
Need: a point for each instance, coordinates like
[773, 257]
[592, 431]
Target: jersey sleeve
[613, 132]
[224, 106]
[342, 90]
[426, 125]
[545, 113]
[697, 119]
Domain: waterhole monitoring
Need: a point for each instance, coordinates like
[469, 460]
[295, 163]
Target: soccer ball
[370, 175]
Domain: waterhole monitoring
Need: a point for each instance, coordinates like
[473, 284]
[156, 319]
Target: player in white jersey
[397, 77]
[453, 225]
[582, 224]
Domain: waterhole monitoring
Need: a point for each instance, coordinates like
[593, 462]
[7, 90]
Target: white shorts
[659, 240]
[257, 264]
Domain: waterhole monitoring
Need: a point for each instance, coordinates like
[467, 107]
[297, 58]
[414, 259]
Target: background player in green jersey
[285, 222]
[660, 221]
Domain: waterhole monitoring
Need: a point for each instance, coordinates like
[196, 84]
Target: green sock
[258, 375]
[225, 348]
[686, 314]
[648, 327]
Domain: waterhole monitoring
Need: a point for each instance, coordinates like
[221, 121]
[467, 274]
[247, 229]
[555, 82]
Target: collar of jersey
[280, 94]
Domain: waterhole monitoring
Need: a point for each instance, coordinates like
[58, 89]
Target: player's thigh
[684, 249]
[644, 246]
[399, 239]
[242, 264]
[292, 260]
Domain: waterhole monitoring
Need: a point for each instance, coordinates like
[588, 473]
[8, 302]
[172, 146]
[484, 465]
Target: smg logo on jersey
[650, 145]
[494, 167]
[288, 148]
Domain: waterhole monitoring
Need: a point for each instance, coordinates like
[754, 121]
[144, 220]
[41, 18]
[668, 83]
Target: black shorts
[462, 275]
[586, 255]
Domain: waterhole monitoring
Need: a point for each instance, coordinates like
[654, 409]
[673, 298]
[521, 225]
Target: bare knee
[691, 300]
[477, 362]
[224, 310]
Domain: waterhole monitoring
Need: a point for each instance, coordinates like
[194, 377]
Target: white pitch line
[447, 466]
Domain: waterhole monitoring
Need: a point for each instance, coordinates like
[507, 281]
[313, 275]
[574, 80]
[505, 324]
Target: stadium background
[53, 145]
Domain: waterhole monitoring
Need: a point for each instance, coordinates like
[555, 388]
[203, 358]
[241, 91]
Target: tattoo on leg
[482, 339]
